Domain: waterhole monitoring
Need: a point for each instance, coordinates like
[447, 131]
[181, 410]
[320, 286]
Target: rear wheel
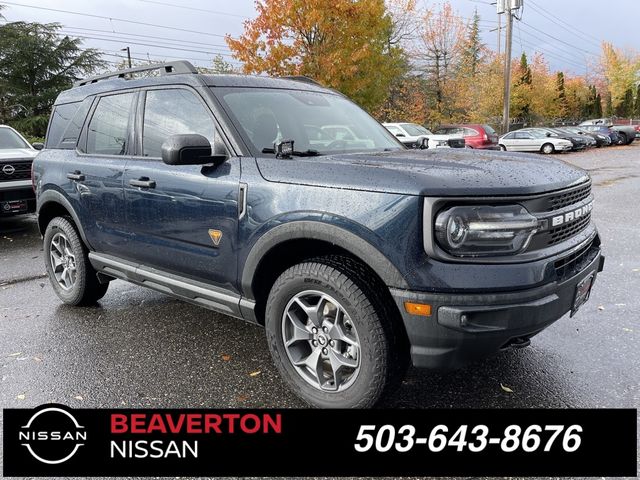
[66, 259]
[330, 334]
[547, 148]
[622, 138]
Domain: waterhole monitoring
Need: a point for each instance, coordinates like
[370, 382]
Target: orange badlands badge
[216, 236]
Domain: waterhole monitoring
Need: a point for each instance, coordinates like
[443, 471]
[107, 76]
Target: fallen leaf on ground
[600, 307]
[255, 374]
[627, 329]
[225, 357]
[37, 359]
[17, 354]
[506, 389]
[22, 396]
[242, 398]
[79, 397]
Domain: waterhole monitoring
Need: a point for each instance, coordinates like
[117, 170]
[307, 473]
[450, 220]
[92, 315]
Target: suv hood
[442, 172]
[17, 153]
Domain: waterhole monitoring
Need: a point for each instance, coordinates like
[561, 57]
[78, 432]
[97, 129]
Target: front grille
[556, 202]
[560, 234]
[571, 264]
[22, 170]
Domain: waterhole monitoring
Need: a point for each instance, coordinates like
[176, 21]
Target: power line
[104, 17]
[154, 37]
[559, 40]
[194, 8]
[586, 35]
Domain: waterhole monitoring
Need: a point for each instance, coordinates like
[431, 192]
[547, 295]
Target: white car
[16, 156]
[411, 133]
[533, 141]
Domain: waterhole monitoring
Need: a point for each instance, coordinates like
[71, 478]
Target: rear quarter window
[66, 124]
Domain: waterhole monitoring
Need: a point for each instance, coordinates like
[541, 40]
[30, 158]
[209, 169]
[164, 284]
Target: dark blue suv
[282, 203]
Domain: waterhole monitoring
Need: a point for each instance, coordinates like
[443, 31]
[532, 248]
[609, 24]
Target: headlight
[473, 231]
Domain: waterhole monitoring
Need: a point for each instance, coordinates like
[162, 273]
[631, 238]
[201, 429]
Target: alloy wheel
[63, 261]
[321, 341]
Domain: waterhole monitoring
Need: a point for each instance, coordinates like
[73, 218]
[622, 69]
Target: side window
[108, 130]
[173, 112]
[70, 136]
[60, 119]
[395, 130]
[510, 136]
[470, 132]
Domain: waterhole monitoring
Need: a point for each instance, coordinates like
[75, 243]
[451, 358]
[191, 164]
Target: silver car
[533, 141]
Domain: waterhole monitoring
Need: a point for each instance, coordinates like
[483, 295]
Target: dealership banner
[55, 440]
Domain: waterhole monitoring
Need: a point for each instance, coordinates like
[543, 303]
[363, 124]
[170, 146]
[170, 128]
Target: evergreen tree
[473, 45]
[636, 109]
[563, 104]
[625, 108]
[608, 111]
[597, 112]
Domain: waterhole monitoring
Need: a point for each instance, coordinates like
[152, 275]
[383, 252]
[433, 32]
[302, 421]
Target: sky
[567, 32]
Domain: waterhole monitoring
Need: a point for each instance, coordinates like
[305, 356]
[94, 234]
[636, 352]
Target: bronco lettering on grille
[572, 215]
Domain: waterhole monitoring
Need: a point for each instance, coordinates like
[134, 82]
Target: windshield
[489, 130]
[415, 130]
[316, 122]
[10, 139]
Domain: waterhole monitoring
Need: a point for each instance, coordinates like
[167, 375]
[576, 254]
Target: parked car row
[447, 136]
[547, 140]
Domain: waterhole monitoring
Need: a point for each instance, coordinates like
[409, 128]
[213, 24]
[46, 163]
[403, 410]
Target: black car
[600, 139]
[616, 138]
[357, 255]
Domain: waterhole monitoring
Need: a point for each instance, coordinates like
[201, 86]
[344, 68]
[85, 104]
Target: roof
[178, 73]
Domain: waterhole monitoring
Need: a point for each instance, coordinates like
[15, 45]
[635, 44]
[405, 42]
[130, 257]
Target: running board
[192, 291]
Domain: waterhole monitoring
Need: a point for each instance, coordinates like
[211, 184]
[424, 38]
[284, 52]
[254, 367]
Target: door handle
[76, 175]
[143, 182]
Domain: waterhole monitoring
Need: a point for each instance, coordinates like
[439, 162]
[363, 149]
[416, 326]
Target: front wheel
[73, 278]
[503, 148]
[548, 148]
[330, 335]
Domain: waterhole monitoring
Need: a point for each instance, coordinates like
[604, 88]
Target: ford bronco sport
[357, 254]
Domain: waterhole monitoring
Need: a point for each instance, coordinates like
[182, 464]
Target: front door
[182, 219]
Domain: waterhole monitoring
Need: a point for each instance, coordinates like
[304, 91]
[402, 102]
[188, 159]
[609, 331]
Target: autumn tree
[620, 70]
[343, 44]
[636, 108]
[521, 91]
[438, 52]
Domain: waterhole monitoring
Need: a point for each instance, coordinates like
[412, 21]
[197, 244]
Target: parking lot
[139, 348]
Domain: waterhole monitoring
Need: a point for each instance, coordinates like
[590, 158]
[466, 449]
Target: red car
[475, 135]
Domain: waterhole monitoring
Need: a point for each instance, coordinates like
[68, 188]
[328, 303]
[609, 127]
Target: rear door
[94, 171]
[181, 218]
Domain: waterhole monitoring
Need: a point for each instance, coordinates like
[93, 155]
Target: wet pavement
[139, 348]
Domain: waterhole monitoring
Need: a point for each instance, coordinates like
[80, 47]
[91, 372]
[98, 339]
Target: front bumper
[17, 198]
[469, 327]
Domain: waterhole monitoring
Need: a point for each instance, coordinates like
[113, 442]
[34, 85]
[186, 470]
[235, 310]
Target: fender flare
[53, 196]
[313, 230]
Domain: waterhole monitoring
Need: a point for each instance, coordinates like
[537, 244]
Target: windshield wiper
[295, 153]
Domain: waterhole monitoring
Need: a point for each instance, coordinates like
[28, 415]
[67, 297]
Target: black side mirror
[190, 149]
[548, 134]
[38, 145]
[400, 135]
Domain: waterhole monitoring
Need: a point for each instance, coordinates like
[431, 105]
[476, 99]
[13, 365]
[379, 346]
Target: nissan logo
[8, 169]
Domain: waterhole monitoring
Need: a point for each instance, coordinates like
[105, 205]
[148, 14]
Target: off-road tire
[383, 344]
[86, 290]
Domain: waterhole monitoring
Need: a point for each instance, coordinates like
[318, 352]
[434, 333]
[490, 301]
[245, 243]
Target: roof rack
[168, 68]
[302, 78]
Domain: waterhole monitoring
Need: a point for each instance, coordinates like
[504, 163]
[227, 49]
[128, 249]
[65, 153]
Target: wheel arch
[52, 204]
[291, 243]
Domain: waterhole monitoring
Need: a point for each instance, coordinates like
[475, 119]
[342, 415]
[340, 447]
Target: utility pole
[128, 55]
[507, 72]
[499, 35]
[507, 6]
